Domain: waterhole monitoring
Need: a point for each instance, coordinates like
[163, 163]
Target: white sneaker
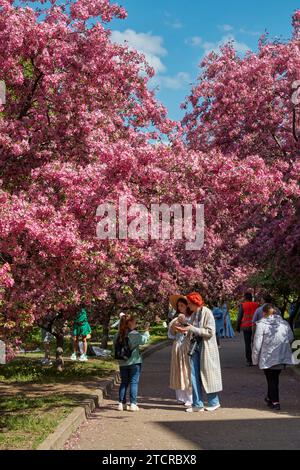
[188, 404]
[193, 409]
[74, 357]
[83, 358]
[212, 408]
[134, 408]
[120, 407]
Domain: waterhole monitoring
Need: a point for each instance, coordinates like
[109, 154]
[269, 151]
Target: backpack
[123, 352]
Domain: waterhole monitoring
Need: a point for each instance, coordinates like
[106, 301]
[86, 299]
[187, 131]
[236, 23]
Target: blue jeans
[213, 398]
[130, 377]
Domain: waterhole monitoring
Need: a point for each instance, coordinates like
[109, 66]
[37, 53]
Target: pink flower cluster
[75, 133]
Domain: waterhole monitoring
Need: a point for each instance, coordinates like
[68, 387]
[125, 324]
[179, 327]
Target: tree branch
[28, 101]
[295, 134]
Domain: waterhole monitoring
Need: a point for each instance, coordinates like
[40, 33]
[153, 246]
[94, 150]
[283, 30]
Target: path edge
[57, 439]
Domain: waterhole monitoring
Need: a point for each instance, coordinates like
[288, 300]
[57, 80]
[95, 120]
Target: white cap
[122, 314]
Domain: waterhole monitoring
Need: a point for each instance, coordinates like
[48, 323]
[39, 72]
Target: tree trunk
[60, 341]
[284, 307]
[105, 335]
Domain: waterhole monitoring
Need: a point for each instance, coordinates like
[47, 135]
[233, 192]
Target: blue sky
[175, 34]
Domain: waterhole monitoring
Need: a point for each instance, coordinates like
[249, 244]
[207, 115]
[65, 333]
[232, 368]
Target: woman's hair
[268, 299]
[249, 296]
[124, 325]
[182, 300]
[268, 309]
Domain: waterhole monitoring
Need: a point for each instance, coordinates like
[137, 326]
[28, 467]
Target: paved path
[244, 422]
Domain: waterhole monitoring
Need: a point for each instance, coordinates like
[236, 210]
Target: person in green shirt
[81, 331]
[130, 370]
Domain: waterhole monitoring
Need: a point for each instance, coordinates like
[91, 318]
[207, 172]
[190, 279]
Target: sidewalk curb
[57, 439]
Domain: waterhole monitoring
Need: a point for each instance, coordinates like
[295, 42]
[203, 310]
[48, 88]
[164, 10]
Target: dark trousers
[272, 376]
[248, 344]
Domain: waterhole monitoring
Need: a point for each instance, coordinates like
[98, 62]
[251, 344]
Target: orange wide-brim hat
[174, 300]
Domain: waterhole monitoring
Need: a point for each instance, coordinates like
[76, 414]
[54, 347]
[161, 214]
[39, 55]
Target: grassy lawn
[25, 420]
[29, 370]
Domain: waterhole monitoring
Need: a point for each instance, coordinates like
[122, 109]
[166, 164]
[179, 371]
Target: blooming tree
[74, 133]
[81, 127]
[247, 108]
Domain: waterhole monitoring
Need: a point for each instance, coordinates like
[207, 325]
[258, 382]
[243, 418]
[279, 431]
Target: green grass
[29, 370]
[25, 422]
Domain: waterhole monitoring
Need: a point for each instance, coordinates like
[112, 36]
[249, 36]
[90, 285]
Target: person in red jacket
[245, 323]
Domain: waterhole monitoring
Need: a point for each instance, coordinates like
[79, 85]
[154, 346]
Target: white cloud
[145, 43]
[194, 41]
[240, 47]
[225, 27]
[176, 82]
[174, 23]
[208, 46]
[153, 49]
[250, 33]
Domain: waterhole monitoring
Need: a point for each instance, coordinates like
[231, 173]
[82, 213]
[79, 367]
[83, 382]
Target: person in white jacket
[272, 351]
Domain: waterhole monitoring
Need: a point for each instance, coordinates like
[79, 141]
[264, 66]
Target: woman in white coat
[205, 359]
[272, 351]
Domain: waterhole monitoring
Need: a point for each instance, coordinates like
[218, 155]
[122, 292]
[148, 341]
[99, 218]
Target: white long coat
[204, 325]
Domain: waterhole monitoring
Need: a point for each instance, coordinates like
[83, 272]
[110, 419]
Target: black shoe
[249, 364]
[268, 402]
[276, 407]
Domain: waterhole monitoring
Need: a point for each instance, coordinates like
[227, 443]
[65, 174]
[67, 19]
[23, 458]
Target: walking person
[272, 351]
[47, 339]
[205, 359]
[219, 319]
[180, 373]
[127, 343]
[245, 323]
[81, 333]
[228, 329]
